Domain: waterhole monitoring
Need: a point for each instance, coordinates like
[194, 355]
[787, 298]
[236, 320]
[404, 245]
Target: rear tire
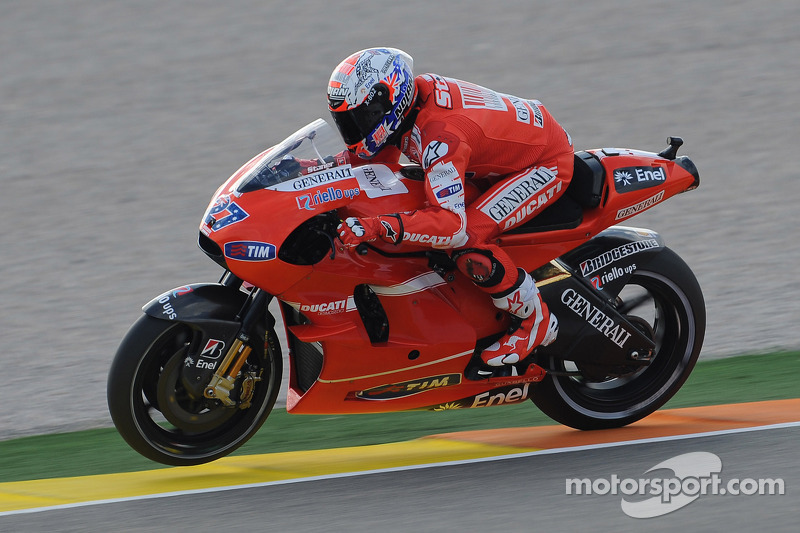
[158, 418]
[667, 296]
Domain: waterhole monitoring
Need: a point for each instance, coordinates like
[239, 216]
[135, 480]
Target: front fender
[199, 303]
[608, 260]
[212, 310]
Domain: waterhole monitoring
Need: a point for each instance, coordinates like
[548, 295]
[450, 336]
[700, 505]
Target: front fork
[224, 379]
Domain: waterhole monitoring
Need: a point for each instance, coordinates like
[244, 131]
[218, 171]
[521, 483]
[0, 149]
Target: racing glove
[353, 231]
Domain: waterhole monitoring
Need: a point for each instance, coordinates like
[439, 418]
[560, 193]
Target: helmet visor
[348, 127]
[355, 124]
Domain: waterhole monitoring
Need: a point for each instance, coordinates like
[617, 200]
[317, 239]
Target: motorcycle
[386, 327]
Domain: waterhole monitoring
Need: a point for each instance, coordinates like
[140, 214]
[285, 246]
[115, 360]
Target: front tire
[665, 299]
[159, 419]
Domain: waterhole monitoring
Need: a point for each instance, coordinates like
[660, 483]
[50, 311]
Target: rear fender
[609, 260]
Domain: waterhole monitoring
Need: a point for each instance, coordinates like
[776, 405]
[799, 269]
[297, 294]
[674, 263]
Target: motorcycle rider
[461, 134]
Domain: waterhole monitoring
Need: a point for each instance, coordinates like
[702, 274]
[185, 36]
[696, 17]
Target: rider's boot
[538, 327]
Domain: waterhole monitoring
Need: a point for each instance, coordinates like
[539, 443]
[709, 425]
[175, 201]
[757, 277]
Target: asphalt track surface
[512, 480]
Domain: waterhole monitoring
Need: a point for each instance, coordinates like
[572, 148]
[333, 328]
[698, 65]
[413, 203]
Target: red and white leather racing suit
[466, 135]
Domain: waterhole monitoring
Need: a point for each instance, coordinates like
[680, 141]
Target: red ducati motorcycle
[386, 327]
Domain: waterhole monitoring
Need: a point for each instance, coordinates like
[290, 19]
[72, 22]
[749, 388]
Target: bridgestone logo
[593, 265]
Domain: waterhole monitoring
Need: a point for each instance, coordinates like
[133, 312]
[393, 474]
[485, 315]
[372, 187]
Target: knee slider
[480, 265]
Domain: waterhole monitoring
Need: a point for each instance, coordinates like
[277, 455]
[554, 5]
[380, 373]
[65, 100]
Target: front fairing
[272, 205]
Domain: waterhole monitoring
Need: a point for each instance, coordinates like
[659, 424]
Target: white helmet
[369, 95]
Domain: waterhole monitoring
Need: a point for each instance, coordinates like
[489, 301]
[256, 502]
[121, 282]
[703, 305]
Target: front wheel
[665, 300]
[157, 416]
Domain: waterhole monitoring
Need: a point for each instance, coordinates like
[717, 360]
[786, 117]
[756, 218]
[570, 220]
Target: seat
[588, 180]
[585, 191]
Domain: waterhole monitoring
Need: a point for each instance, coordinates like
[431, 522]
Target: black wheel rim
[668, 312]
[177, 425]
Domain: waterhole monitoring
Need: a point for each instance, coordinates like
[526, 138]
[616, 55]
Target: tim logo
[213, 349]
[449, 190]
[392, 391]
[250, 251]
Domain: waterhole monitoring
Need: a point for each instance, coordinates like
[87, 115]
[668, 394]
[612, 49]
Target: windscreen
[311, 149]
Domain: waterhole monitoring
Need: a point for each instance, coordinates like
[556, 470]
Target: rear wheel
[664, 300]
[160, 419]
